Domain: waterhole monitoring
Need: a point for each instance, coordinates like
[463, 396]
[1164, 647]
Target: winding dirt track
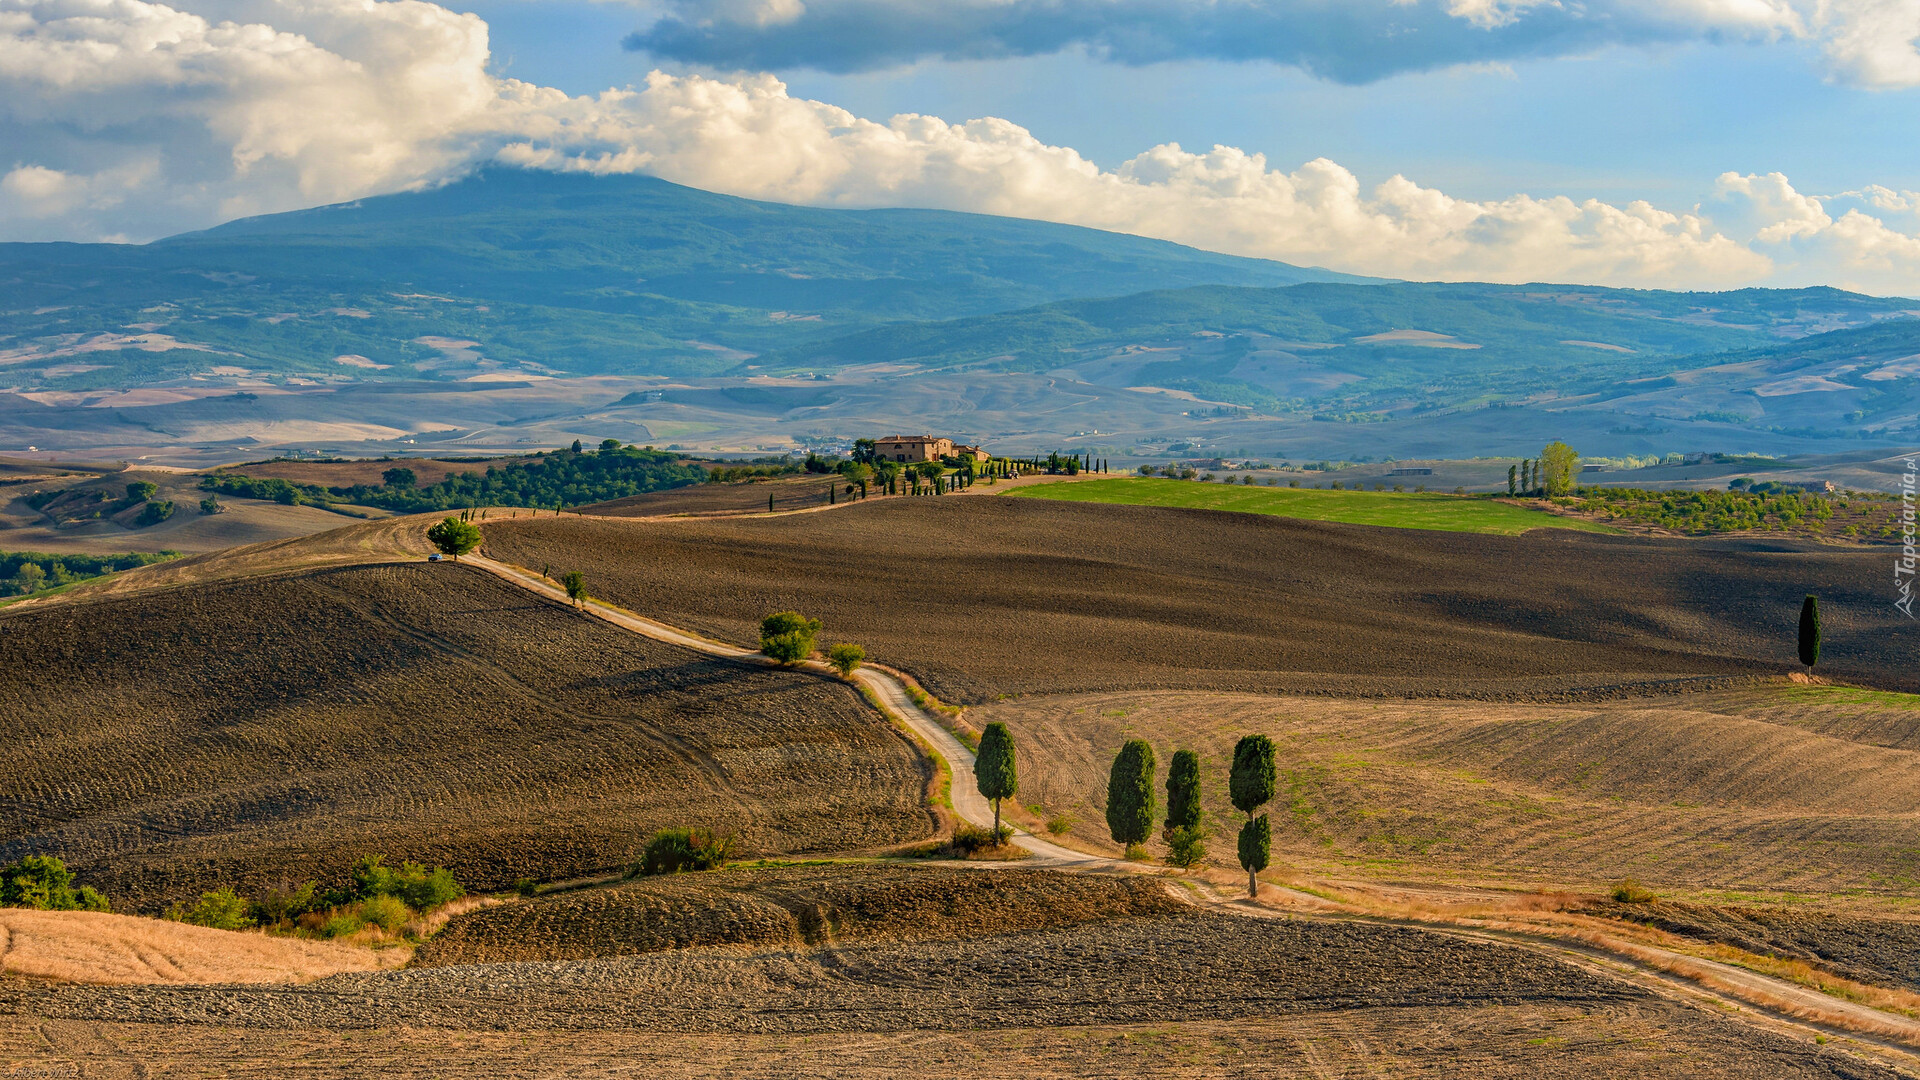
[1769, 1002]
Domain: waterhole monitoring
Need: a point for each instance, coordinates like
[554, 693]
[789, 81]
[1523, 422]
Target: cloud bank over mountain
[125, 118]
[1866, 42]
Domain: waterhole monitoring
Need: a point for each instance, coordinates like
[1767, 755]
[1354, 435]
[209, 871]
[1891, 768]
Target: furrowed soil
[787, 906]
[1716, 792]
[1880, 952]
[985, 597]
[272, 729]
[1193, 995]
[746, 497]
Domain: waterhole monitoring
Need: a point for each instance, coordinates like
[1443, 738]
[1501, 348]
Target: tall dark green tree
[1256, 850]
[1130, 793]
[1183, 791]
[995, 770]
[1810, 631]
[1251, 787]
[1513, 479]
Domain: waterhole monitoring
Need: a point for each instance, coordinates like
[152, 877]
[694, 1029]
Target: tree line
[549, 480]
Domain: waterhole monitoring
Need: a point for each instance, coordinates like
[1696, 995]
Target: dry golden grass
[98, 947]
[1723, 792]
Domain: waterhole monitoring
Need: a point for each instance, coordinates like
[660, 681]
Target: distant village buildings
[912, 448]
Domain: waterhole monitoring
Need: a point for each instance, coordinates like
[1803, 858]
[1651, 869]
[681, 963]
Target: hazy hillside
[1337, 350]
[542, 273]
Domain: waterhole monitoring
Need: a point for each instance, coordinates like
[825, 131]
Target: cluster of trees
[374, 895]
[23, 572]
[74, 503]
[44, 882]
[562, 478]
[1131, 806]
[1548, 476]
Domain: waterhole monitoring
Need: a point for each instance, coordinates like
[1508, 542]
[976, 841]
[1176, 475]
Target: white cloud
[1870, 43]
[259, 105]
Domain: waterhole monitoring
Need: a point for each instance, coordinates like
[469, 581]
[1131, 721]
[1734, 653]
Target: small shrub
[221, 909]
[285, 903]
[1060, 824]
[525, 886]
[969, 839]
[1630, 891]
[575, 583]
[340, 922]
[424, 889]
[210, 505]
[389, 913]
[44, 882]
[672, 851]
[846, 657]
[1137, 853]
[1185, 847]
[154, 513]
[787, 636]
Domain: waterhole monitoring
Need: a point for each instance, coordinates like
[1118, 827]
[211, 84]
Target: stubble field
[1727, 793]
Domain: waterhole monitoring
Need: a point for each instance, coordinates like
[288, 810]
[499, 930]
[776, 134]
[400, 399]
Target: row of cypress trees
[1131, 805]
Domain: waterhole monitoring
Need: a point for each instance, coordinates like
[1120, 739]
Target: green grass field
[1447, 513]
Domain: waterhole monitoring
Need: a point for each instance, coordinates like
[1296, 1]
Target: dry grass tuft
[98, 947]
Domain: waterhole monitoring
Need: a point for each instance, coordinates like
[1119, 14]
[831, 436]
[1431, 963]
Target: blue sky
[1671, 143]
[1620, 123]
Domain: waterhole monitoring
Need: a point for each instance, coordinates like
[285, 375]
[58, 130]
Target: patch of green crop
[1446, 513]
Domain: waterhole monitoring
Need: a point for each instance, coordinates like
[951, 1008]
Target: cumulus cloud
[1869, 42]
[136, 118]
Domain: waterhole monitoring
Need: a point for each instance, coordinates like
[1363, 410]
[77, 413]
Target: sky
[1702, 144]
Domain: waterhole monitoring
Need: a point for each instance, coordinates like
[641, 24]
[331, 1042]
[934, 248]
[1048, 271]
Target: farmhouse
[922, 448]
[911, 448]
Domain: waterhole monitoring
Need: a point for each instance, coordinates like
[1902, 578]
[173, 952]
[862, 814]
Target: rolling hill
[545, 274]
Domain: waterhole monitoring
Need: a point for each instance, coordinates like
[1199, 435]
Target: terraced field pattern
[262, 730]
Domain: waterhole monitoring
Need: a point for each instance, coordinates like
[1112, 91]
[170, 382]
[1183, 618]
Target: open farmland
[789, 906]
[1196, 995]
[1715, 794]
[984, 597]
[1449, 513]
[269, 729]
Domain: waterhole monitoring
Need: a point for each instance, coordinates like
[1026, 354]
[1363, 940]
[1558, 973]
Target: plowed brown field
[266, 729]
[1196, 995]
[983, 597]
[788, 906]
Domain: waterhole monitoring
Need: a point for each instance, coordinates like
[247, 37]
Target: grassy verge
[1446, 513]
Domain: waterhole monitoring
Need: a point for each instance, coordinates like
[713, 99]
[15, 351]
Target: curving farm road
[1761, 999]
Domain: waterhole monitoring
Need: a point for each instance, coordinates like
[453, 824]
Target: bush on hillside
[969, 839]
[673, 851]
[44, 882]
[154, 513]
[787, 636]
[221, 909]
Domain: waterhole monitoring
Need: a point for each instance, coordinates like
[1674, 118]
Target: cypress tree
[1513, 480]
[1130, 793]
[994, 771]
[1810, 631]
[1183, 791]
[769, 502]
[1251, 787]
[1256, 850]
